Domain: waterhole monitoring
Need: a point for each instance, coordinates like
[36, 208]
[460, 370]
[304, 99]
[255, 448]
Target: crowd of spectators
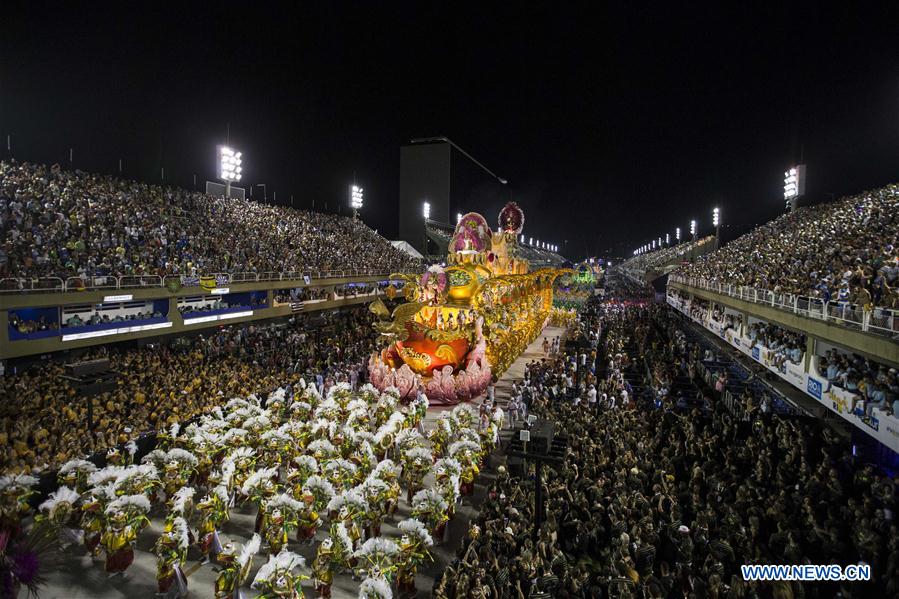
[877, 384]
[159, 385]
[783, 344]
[652, 501]
[58, 223]
[656, 259]
[846, 251]
[77, 320]
[26, 326]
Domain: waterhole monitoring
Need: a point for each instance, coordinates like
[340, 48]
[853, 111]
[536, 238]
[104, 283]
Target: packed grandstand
[259, 455]
[61, 224]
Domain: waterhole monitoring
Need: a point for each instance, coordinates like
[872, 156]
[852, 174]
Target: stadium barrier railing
[14, 285]
[876, 320]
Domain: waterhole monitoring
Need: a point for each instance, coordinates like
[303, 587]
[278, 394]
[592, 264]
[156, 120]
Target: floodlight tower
[229, 167]
[356, 199]
[693, 229]
[716, 221]
[794, 186]
[426, 213]
[677, 234]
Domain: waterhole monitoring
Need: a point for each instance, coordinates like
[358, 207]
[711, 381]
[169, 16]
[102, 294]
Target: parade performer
[58, 511]
[180, 466]
[93, 506]
[447, 473]
[429, 507]
[171, 552]
[308, 520]
[332, 556]
[388, 471]
[302, 467]
[213, 512]
[125, 517]
[15, 492]
[277, 578]
[414, 549]
[234, 568]
[321, 490]
[377, 557]
[258, 487]
[279, 520]
[417, 463]
[375, 588]
[467, 453]
[375, 492]
[74, 473]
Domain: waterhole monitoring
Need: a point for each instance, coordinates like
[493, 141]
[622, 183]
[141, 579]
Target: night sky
[613, 125]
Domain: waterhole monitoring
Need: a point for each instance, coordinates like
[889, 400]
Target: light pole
[716, 220]
[677, 234]
[356, 199]
[426, 212]
[693, 247]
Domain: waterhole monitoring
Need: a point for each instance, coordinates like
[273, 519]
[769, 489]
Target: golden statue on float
[463, 324]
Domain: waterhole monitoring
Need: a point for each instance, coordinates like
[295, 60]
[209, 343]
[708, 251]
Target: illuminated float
[464, 323]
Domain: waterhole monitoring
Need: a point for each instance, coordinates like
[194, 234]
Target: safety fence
[876, 320]
[110, 283]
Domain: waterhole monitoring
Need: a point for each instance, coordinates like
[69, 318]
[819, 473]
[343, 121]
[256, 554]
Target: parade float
[463, 323]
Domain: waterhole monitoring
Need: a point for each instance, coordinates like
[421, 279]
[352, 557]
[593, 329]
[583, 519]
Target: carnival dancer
[278, 579]
[74, 474]
[308, 520]
[180, 466]
[234, 568]
[125, 517]
[429, 507]
[279, 520]
[15, 492]
[59, 511]
[375, 588]
[213, 512]
[93, 506]
[417, 463]
[467, 454]
[414, 548]
[171, 553]
[332, 556]
[258, 487]
[377, 557]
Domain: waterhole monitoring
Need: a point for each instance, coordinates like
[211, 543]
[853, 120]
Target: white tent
[405, 247]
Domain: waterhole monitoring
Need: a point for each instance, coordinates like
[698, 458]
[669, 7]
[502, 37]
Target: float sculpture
[464, 323]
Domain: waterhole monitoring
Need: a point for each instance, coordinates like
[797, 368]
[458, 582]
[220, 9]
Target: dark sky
[613, 124]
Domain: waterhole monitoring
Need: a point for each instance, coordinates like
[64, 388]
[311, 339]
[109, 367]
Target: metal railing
[879, 321]
[58, 285]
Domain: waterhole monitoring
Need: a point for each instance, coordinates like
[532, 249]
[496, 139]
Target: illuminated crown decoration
[511, 218]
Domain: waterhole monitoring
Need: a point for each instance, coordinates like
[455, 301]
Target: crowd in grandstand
[846, 250]
[158, 386]
[656, 502]
[69, 223]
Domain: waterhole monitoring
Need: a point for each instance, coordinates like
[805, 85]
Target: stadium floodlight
[677, 234]
[660, 242]
[522, 238]
[531, 241]
[653, 244]
[716, 220]
[426, 210]
[693, 229]
[794, 185]
[229, 166]
[458, 217]
[356, 198]
[667, 238]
